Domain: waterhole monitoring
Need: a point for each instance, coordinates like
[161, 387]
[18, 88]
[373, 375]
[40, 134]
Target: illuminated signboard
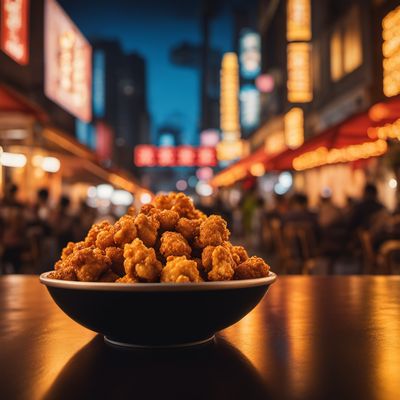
[249, 106]
[99, 71]
[85, 133]
[391, 53]
[14, 29]
[298, 20]
[68, 64]
[169, 156]
[227, 151]
[294, 128]
[229, 102]
[250, 54]
[299, 83]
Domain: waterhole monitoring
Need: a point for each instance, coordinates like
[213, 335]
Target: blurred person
[249, 205]
[298, 211]
[257, 219]
[363, 212]
[63, 223]
[279, 209]
[13, 227]
[328, 213]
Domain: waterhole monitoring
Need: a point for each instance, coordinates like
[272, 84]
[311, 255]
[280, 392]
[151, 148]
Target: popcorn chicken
[108, 276]
[174, 244]
[222, 265]
[66, 274]
[95, 230]
[105, 238]
[180, 270]
[147, 228]
[116, 256]
[141, 262]
[164, 201]
[125, 230]
[89, 263]
[127, 279]
[213, 231]
[188, 228]
[253, 267]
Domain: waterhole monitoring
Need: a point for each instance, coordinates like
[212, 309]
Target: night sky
[151, 28]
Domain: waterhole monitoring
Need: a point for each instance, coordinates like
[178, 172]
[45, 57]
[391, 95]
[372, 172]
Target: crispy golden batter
[147, 228]
[105, 238]
[116, 256]
[222, 265]
[213, 231]
[127, 279]
[183, 205]
[88, 263]
[125, 230]
[180, 270]
[238, 253]
[188, 228]
[66, 274]
[174, 244]
[164, 201]
[167, 219]
[253, 267]
[108, 276]
[141, 262]
[94, 231]
[206, 257]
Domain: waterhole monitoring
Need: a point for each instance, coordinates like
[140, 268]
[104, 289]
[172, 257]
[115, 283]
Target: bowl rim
[156, 287]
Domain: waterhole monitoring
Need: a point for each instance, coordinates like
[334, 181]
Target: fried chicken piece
[213, 231]
[222, 265]
[116, 255]
[148, 209]
[141, 262]
[180, 270]
[167, 219]
[188, 228]
[65, 274]
[95, 230]
[164, 201]
[108, 276]
[105, 238]
[238, 253]
[174, 244]
[132, 211]
[125, 230]
[127, 279]
[183, 205]
[89, 263]
[71, 247]
[206, 257]
[253, 267]
[147, 228]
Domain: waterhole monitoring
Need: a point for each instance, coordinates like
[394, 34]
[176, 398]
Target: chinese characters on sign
[68, 65]
[14, 30]
[167, 156]
[298, 16]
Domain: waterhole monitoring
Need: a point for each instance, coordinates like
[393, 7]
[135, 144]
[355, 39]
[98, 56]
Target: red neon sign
[206, 157]
[14, 30]
[145, 155]
[186, 156]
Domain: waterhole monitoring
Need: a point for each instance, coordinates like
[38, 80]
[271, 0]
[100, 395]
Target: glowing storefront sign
[391, 53]
[15, 29]
[104, 142]
[294, 128]
[323, 156]
[299, 83]
[68, 64]
[229, 104]
[169, 156]
[298, 20]
[249, 106]
[99, 76]
[275, 143]
[85, 133]
[227, 150]
[250, 54]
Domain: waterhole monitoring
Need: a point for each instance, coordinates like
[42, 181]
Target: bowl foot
[162, 346]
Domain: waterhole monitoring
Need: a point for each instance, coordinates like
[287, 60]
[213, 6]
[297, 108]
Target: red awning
[11, 101]
[352, 132]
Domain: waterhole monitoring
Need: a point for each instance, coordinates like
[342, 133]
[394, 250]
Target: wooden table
[310, 338]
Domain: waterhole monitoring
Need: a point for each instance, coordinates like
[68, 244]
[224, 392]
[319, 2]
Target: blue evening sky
[152, 28]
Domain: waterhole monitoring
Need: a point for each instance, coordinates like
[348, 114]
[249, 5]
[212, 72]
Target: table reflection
[213, 371]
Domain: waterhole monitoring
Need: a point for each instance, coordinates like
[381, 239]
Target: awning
[351, 140]
[11, 101]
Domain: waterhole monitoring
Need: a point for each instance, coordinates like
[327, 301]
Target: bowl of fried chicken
[164, 276]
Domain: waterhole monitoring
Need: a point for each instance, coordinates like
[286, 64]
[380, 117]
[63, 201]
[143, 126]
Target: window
[346, 45]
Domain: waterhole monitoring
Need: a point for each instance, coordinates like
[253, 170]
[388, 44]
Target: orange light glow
[229, 150]
[294, 128]
[257, 169]
[389, 131]
[298, 14]
[324, 156]
[299, 83]
[391, 53]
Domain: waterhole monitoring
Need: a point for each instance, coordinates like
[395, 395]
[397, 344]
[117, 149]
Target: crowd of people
[32, 235]
[287, 230]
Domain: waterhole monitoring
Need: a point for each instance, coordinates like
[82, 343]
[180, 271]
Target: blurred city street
[281, 116]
